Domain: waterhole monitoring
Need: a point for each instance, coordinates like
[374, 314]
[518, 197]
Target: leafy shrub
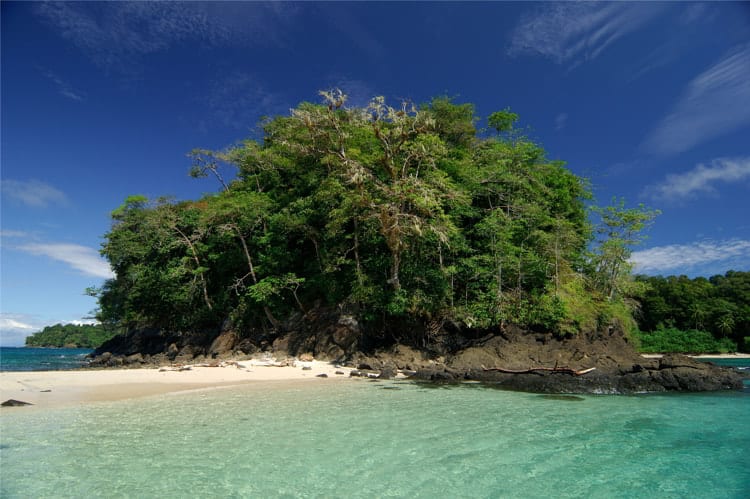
[665, 340]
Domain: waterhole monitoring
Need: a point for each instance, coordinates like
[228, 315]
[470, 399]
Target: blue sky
[650, 101]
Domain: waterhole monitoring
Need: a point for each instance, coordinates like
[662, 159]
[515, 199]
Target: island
[70, 336]
[412, 238]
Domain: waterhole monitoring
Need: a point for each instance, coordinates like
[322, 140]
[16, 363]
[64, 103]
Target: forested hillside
[70, 335]
[683, 314]
[409, 218]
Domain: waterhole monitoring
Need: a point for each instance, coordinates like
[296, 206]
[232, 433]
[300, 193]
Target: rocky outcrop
[610, 363]
[548, 364]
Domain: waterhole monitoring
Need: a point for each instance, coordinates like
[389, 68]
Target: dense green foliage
[71, 335]
[664, 340]
[719, 305]
[398, 215]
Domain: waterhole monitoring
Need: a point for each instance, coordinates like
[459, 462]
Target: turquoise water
[339, 438]
[42, 359]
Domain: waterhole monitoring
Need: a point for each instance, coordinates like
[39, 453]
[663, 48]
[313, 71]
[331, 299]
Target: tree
[401, 214]
[725, 324]
[619, 229]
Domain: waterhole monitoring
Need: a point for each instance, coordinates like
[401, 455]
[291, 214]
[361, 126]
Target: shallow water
[386, 439]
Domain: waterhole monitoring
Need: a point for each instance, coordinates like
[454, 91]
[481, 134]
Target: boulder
[136, 358]
[223, 345]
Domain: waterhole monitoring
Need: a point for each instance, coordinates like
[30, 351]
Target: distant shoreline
[702, 355]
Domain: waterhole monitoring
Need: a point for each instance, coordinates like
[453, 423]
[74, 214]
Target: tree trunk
[198, 264]
[274, 322]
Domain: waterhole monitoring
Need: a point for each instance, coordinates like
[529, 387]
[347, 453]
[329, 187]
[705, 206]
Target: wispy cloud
[14, 234]
[560, 121]
[115, 35]
[32, 193]
[716, 102]
[341, 19]
[704, 257]
[701, 179]
[696, 12]
[82, 258]
[238, 100]
[575, 32]
[63, 87]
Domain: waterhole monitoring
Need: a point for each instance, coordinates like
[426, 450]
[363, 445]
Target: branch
[564, 370]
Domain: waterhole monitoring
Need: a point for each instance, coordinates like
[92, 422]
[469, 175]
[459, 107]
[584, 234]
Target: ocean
[42, 359]
[359, 438]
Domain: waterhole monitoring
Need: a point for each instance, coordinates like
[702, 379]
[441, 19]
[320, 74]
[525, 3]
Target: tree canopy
[718, 306]
[70, 335]
[405, 213]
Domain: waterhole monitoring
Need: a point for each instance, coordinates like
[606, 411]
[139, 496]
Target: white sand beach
[64, 388]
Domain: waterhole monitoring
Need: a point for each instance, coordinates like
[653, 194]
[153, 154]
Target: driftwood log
[563, 370]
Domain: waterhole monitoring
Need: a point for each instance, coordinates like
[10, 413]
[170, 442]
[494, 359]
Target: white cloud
[704, 256]
[33, 193]
[574, 32]
[701, 179]
[115, 35]
[14, 328]
[82, 258]
[13, 324]
[716, 102]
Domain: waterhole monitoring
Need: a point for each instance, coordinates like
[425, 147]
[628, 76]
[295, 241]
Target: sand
[47, 389]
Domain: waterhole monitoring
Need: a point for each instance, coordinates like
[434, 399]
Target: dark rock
[322, 375]
[340, 372]
[15, 403]
[306, 368]
[136, 358]
[436, 374]
[246, 346]
[223, 345]
[338, 334]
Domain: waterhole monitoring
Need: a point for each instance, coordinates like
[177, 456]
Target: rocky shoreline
[601, 362]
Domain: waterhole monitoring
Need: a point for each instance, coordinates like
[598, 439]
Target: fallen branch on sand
[563, 370]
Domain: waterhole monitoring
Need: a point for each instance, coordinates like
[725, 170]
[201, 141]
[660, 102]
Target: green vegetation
[70, 335]
[410, 218]
[714, 312]
[671, 339]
